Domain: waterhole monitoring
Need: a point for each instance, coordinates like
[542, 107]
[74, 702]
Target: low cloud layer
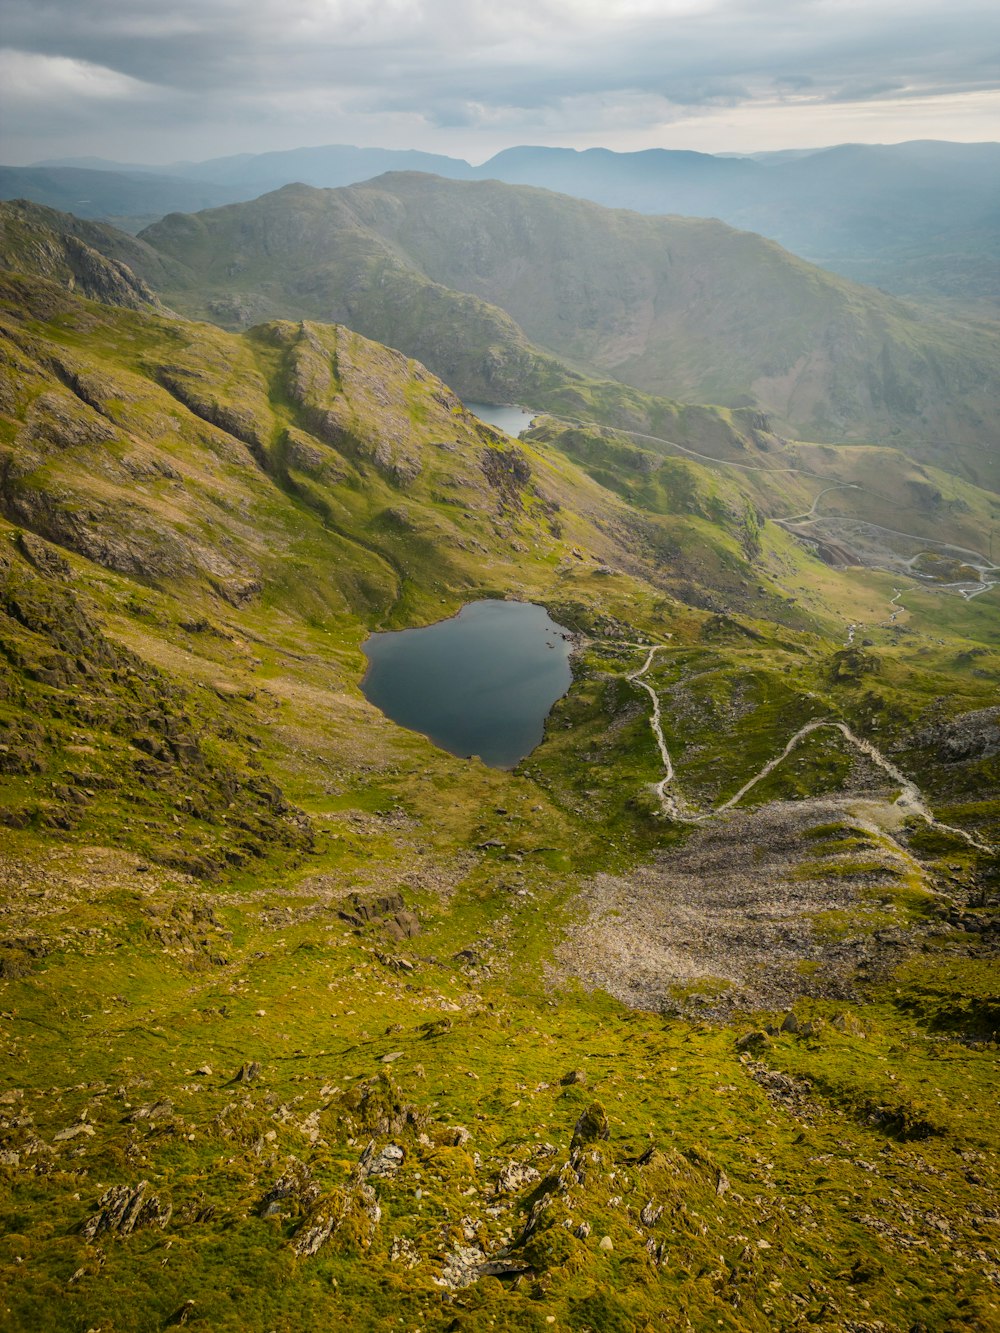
[202, 77]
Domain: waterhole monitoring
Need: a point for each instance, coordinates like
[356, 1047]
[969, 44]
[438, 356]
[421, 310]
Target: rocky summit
[689, 1020]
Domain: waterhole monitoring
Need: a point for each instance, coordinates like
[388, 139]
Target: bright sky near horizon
[137, 80]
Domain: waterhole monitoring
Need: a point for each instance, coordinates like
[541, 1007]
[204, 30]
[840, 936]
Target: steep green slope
[847, 492]
[916, 219]
[90, 258]
[677, 307]
[134, 428]
[306, 1021]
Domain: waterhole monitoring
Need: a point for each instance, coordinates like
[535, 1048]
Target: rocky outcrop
[102, 279]
[387, 911]
[352, 395]
[45, 243]
[355, 1212]
[125, 1208]
[352, 1211]
[968, 736]
[508, 471]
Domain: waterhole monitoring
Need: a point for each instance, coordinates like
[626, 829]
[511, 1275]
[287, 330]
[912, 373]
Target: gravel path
[910, 800]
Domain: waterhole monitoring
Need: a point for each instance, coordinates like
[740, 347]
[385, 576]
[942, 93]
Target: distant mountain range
[477, 279]
[919, 218]
[131, 199]
[517, 294]
[336, 164]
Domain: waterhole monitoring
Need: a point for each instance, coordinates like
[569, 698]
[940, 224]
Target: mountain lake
[481, 683]
[510, 419]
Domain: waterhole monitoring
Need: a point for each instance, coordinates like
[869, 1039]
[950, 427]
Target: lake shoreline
[480, 682]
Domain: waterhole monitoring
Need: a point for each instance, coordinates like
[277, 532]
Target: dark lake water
[481, 683]
[511, 419]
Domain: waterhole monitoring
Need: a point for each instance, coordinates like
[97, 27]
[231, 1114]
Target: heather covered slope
[683, 308]
[306, 1022]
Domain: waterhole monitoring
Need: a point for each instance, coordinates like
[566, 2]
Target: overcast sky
[161, 80]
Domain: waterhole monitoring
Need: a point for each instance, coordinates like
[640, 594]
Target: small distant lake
[510, 419]
[481, 683]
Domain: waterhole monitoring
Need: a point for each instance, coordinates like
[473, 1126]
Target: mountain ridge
[681, 308]
[858, 209]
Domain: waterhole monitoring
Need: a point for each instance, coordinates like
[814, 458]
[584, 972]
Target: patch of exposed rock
[516, 1176]
[387, 911]
[727, 922]
[124, 1208]
[974, 735]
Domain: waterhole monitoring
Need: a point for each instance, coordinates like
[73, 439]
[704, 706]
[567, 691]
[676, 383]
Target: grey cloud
[453, 64]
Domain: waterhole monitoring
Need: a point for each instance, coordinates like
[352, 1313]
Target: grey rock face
[124, 1208]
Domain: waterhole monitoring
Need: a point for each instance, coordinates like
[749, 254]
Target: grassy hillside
[478, 346]
[683, 308]
[917, 219]
[854, 489]
[306, 1021]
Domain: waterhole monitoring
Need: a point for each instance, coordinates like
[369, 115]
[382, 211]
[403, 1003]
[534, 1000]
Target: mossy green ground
[865, 1188]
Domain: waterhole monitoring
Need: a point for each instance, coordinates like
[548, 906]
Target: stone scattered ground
[736, 920]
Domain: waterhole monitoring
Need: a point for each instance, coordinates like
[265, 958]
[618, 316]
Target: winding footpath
[723, 462]
[811, 512]
[910, 800]
[668, 801]
[982, 564]
[896, 605]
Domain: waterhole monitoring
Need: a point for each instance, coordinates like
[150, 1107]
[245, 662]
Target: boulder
[591, 1127]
